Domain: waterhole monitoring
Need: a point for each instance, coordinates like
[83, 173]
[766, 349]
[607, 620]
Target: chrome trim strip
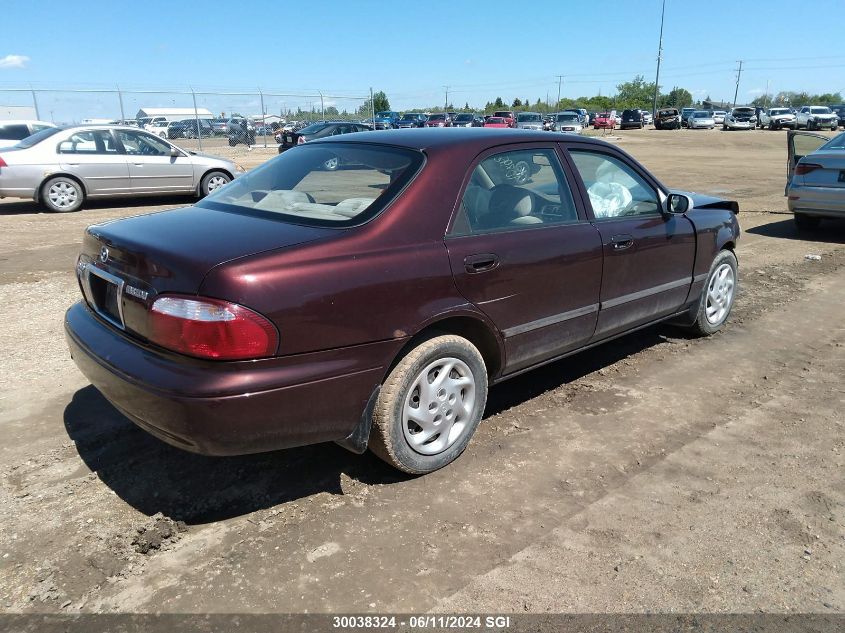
[612, 303]
[551, 320]
[700, 277]
[102, 274]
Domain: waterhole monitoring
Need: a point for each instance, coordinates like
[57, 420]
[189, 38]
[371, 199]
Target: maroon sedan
[374, 305]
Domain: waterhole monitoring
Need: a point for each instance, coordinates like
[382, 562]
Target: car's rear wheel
[213, 180]
[717, 297]
[430, 405]
[62, 194]
[804, 222]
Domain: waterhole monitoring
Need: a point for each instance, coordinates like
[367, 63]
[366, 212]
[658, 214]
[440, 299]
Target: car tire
[232, 142]
[213, 180]
[717, 296]
[394, 437]
[62, 194]
[810, 126]
[805, 222]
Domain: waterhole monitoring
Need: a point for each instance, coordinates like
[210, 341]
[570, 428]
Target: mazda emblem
[104, 254]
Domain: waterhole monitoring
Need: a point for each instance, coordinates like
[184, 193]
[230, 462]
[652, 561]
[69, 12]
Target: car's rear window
[528, 117]
[324, 184]
[837, 142]
[29, 141]
[819, 110]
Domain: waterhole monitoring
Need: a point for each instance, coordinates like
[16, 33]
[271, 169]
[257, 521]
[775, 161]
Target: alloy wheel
[720, 293]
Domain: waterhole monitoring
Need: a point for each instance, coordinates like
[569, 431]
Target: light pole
[559, 82]
[659, 57]
[446, 105]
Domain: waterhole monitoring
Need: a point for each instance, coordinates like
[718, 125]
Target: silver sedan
[62, 167]
[816, 187]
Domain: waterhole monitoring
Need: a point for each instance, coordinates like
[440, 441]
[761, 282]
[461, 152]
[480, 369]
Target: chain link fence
[198, 118]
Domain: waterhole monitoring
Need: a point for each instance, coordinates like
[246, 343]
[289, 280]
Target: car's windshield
[701, 115]
[464, 117]
[437, 117]
[409, 117]
[503, 113]
[837, 142]
[495, 119]
[29, 141]
[385, 115]
[778, 111]
[743, 111]
[567, 117]
[325, 184]
[819, 110]
[524, 117]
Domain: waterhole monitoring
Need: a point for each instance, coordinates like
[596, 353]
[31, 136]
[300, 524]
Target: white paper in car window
[609, 199]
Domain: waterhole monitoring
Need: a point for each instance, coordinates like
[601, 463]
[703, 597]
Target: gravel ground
[656, 473]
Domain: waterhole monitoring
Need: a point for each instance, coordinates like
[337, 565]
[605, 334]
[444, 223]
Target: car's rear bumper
[228, 408]
[821, 201]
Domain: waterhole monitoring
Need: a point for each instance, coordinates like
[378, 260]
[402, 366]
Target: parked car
[155, 121]
[63, 167]
[548, 122]
[439, 119]
[605, 120]
[839, 111]
[468, 119]
[386, 120]
[567, 122]
[220, 126]
[160, 128]
[719, 117]
[412, 119]
[496, 122]
[317, 131]
[507, 115]
[648, 118]
[701, 119]
[777, 118]
[668, 119]
[816, 118]
[686, 113]
[740, 118]
[816, 180]
[529, 121]
[190, 128]
[12, 131]
[632, 119]
[290, 308]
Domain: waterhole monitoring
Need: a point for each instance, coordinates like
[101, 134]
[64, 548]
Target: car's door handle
[621, 242]
[481, 262]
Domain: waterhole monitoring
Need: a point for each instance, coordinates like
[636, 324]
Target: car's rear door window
[89, 142]
[515, 190]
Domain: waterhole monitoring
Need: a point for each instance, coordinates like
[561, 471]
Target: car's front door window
[140, 144]
[615, 190]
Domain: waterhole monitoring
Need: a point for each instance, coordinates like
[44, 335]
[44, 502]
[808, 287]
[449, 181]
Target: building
[174, 114]
[26, 113]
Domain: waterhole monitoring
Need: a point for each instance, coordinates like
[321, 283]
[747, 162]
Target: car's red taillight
[805, 168]
[210, 328]
[300, 140]
[2, 162]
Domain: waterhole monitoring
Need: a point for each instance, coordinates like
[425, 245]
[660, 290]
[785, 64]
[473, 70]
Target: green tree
[516, 103]
[498, 103]
[677, 98]
[637, 93]
[379, 103]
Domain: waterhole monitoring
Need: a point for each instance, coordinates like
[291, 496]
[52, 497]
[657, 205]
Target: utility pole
[559, 82]
[659, 57]
[766, 98]
[738, 75]
[446, 105]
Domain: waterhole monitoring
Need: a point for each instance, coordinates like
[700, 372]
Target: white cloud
[756, 91]
[13, 61]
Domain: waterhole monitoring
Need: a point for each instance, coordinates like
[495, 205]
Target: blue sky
[410, 50]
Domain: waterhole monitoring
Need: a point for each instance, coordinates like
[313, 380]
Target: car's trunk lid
[172, 251]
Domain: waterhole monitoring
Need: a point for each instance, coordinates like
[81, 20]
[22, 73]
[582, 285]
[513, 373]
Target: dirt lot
[655, 473]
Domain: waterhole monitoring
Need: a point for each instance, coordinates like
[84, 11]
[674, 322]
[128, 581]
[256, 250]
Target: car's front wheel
[62, 194]
[717, 297]
[213, 180]
[430, 405]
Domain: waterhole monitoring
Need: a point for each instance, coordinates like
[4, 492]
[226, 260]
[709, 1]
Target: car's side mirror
[175, 152]
[677, 204]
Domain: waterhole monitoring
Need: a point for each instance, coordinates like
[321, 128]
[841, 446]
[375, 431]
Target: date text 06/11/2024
[421, 622]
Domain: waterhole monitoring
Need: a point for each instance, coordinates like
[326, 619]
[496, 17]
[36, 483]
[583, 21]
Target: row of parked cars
[775, 118]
